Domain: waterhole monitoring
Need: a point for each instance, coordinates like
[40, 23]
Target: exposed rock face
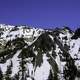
[37, 54]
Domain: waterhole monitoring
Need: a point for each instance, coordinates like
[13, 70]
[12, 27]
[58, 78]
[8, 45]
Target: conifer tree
[50, 77]
[22, 65]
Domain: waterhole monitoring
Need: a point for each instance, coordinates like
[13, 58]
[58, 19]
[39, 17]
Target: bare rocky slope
[28, 53]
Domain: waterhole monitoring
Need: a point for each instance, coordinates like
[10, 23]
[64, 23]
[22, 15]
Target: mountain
[28, 53]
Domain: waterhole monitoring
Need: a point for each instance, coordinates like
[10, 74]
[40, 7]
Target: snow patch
[42, 72]
[16, 64]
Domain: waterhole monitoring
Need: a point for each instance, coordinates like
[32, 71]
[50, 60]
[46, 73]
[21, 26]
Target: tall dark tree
[22, 64]
[50, 76]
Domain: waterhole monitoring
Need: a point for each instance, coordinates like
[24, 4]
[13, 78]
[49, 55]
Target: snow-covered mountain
[28, 53]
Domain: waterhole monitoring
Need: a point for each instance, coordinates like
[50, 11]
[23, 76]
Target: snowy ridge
[37, 54]
[12, 32]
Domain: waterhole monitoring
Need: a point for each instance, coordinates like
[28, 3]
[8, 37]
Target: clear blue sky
[44, 13]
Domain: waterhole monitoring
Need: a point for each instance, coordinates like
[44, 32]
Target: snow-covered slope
[28, 53]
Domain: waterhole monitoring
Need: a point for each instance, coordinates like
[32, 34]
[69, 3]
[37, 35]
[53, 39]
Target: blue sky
[41, 13]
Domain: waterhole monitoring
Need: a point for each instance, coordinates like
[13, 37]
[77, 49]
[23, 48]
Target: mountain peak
[28, 53]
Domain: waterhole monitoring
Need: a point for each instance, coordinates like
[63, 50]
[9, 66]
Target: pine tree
[50, 76]
[22, 65]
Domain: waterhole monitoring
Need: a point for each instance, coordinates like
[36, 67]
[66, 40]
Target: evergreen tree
[22, 65]
[50, 76]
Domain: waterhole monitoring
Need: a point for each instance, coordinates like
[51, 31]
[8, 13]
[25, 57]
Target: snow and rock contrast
[28, 53]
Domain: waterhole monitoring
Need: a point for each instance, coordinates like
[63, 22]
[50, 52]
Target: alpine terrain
[28, 53]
